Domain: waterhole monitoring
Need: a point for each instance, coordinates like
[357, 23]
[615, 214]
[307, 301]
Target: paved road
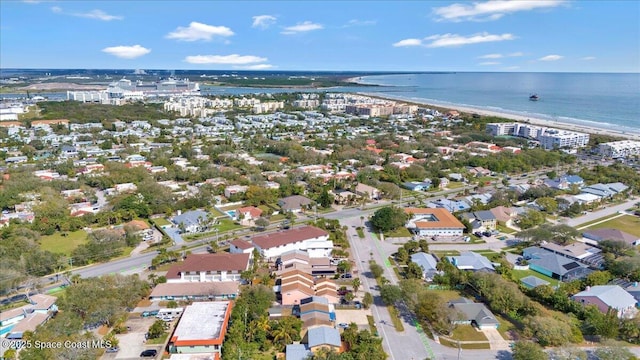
[601, 213]
[126, 265]
[410, 344]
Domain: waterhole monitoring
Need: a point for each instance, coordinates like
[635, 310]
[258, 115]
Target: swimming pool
[231, 213]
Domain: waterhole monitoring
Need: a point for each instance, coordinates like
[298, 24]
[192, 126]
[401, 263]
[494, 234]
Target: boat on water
[534, 97]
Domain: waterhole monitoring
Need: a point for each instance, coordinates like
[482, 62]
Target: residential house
[479, 171]
[297, 352]
[220, 290]
[598, 235]
[248, 215]
[450, 205]
[311, 239]
[316, 311]
[565, 182]
[504, 215]
[417, 185]
[444, 183]
[201, 328]
[368, 192]
[475, 314]
[192, 221]
[606, 297]
[239, 246]
[295, 285]
[554, 265]
[482, 199]
[231, 190]
[531, 282]
[433, 222]
[295, 203]
[471, 261]
[428, 264]
[456, 177]
[481, 220]
[342, 197]
[323, 338]
[209, 267]
[15, 322]
[605, 190]
[298, 259]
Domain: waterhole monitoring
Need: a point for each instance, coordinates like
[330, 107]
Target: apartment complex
[549, 138]
[619, 149]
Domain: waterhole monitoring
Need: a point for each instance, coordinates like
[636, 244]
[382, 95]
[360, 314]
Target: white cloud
[408, 42]
[302, 27]
[356, 22]
[516, 54]
[459, 40]
[551, 58]
[587, 58]
[233, 59]
[490, 56]
[486, 63]
[96, 14]
[489, 10]
[263, 21]
[127, 52]
[255, 67]
[199, 31]
[512, 67]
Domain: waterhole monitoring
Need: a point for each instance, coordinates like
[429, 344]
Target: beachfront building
[563, 139]
[549, 138]
[619, 149]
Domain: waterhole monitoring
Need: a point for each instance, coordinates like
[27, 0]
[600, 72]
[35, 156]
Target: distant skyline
[497, 35]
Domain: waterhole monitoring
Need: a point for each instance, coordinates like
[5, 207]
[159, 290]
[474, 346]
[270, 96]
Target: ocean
[598, 100]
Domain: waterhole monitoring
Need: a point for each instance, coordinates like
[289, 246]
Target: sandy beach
[631, 134]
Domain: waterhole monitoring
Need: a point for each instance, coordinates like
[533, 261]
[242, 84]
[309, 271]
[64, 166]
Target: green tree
[530, 219]
[172, 304]
[527, 350]
[156, 330]
[262, 223]
[548, 204]
[390, 294]
[367, 300]
[355, 283]
[414, 271]
[402, 256]
[376, 270]
[325, 199]
[389, 218]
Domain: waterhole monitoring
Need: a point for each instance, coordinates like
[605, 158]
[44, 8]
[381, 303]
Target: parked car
[343, 325]
[150, 313]
[346, 276]
[149, 353]
[112, 349]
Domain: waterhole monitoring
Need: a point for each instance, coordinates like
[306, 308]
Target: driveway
[356, 316]
[133, 342]
[496, 341]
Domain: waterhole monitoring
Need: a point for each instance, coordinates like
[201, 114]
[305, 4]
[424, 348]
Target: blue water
[601, 100]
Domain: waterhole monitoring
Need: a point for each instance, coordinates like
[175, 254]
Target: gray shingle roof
[323, 335]
[476, 312]
[533, 281]
[297, 352]
[426, 261]
[471, 261]
[545, 259]
[191, 217]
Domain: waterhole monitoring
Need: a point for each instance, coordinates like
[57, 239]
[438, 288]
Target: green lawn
[216, 213]
[504, 229]
[399, 232]
[161, 221]
[587, 224]
[63, 242]
[447, 295]
[395, 318]
[360, 232]
[224, 225]
[626, 223]
[519, 274]
[278, 217]
[454, 344]
[455, 185]
[158, 341]
[505, 326]
[440, 254]
[468, 333]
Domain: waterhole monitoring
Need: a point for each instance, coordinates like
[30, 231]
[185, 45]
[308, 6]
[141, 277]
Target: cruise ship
[162, 88]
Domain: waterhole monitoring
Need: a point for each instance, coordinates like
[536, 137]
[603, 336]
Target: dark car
[346, 276]
[149, 353]
[112, 349]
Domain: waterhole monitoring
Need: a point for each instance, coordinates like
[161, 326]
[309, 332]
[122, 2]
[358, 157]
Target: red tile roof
[252, 210]
[241, 244]
[210, 262]
[285, 237]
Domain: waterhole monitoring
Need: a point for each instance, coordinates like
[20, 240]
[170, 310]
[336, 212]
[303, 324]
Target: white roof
[612, 295]
[202, 321]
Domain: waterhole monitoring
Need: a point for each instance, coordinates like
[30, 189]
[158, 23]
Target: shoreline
[630, 134]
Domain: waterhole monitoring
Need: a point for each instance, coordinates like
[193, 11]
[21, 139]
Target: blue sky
[548, 35]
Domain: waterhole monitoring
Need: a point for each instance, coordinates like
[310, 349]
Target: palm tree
[282, 335]
[356, 285]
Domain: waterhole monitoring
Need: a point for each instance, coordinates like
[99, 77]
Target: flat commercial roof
[202, 323]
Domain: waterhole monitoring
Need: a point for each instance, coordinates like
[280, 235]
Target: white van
[169, 313]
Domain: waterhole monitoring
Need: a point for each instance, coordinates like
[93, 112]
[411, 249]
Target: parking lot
[357, 316]
[132, 343]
